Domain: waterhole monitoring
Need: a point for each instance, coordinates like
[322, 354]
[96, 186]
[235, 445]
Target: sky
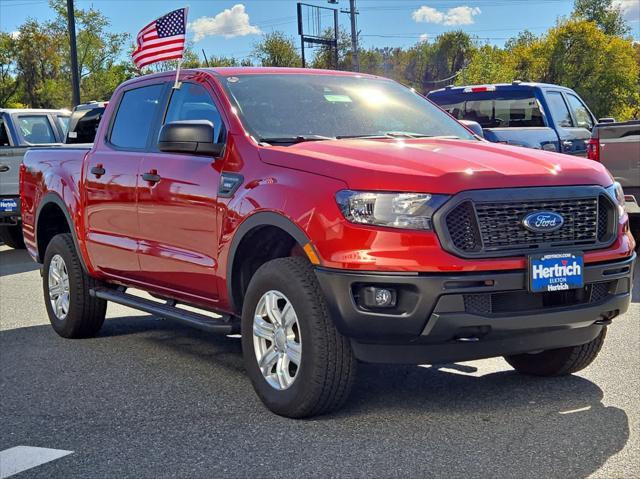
[231, 28]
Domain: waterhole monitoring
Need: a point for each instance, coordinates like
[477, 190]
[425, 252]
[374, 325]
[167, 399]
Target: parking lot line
[21, 458]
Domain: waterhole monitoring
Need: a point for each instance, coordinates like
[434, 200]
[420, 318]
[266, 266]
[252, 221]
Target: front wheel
[298, 363]
[72, 311]
[558, 362]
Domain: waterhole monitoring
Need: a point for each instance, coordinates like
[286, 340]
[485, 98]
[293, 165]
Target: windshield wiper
[285, 140]
[386, 134]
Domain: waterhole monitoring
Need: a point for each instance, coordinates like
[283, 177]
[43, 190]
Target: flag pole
[176, 85]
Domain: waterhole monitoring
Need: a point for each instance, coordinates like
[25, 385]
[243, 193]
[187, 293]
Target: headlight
[394, 210]
[617, 195]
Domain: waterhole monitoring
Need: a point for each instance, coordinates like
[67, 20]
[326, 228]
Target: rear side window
[193, 102]
[495, 109]
[63, 123]
[580, 112]
[83, 125]
[36, 129]
[136, 112]
[559, 110]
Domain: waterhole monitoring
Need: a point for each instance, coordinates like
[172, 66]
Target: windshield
[300, 106]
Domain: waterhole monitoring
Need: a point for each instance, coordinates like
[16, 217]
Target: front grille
[519, 301]
[476, 227]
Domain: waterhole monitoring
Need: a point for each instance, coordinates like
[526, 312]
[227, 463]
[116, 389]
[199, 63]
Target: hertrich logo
[563, 271]
[543, 221]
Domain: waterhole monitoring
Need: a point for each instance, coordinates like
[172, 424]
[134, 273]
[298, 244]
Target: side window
[193, 102]
[135, 115]
[580, 112]
[36, 129]
[559, 110]
[4, 135]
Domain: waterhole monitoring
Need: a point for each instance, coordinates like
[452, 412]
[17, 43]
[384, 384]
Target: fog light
[374, 297]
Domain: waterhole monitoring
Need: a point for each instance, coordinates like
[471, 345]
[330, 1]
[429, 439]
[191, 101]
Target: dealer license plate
[556, 272]
[8, 205]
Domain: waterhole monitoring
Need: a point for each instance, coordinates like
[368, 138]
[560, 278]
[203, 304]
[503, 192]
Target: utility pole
[75, 78]
[352, 12]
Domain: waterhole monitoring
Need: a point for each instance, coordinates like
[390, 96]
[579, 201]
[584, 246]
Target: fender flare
[262, 218]
[54, 198]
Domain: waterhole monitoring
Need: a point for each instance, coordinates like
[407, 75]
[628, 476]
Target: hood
[435, 165]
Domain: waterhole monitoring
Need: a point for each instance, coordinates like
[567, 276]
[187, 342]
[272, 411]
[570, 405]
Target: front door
[573, 136]
[177, 206]
[110, 184]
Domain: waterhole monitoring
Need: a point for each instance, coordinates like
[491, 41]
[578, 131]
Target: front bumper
[443, 318]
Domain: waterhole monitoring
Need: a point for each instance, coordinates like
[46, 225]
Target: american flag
[163, 39]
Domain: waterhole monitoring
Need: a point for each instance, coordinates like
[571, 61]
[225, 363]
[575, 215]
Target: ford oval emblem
[543, 221]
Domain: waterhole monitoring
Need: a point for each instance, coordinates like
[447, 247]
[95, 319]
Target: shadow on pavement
[15, 261]
[145, 387]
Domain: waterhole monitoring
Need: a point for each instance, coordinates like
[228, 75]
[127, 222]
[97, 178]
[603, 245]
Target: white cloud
[229, 23]
[630, 9]
[15, 34]
[462, 15]
[423, 38]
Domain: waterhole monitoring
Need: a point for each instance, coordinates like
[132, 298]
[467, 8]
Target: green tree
[277, 50]
[488, 64]
[603, 13]
[8, 82]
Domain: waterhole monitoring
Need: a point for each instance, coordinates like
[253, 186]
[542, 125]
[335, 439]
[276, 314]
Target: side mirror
[474, 126]
[606, 120]
[193, 136]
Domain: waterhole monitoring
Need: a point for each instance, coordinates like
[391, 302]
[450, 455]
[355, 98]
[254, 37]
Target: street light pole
[75, 78]
[355, 60]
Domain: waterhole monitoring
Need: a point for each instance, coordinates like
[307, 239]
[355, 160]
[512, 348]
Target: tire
[323, 378]
[558, 362]
[12, 236]
[84, 314]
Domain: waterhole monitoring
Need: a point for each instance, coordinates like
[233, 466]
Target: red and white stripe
[152, 49]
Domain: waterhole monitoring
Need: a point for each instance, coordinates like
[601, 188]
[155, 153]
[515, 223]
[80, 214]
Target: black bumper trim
[424, 321]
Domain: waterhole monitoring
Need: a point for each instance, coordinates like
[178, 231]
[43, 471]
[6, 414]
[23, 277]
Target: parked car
[84, 122]
[534, 115]
[328, 217]
[21, 129]
[617, 147]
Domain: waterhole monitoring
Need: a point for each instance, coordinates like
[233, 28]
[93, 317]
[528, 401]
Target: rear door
[111, 175]
[178, 212]
[573, 136]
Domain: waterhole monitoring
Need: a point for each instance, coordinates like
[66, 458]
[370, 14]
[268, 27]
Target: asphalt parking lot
[148, 398]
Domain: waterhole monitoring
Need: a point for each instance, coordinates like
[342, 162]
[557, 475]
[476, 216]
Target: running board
[223, 325]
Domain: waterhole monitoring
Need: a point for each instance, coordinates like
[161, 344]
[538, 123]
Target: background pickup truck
[20, 130]
[534, 115]
[617, 147]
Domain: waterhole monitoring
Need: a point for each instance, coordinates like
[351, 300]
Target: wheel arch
[263, 221]
[51, 210]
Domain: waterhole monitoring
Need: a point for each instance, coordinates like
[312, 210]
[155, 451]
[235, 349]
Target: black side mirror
[193, 136]
[474, 126]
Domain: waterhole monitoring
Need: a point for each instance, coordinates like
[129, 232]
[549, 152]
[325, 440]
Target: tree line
[590, 51]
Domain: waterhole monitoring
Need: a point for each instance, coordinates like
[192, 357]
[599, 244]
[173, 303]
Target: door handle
[151, 177]
[98, 170]
[567, 144]
[4, 168]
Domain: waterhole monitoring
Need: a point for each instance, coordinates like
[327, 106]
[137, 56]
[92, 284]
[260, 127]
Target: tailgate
[10, 160]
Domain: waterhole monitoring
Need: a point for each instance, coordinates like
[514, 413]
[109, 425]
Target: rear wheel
[72, 311]
[12, 236]
[558, 362]
[298, 363]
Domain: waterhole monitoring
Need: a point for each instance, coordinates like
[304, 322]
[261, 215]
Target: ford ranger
[329, 218]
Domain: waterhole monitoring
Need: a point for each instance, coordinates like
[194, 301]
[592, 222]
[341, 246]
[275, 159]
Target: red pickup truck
[328, 217]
